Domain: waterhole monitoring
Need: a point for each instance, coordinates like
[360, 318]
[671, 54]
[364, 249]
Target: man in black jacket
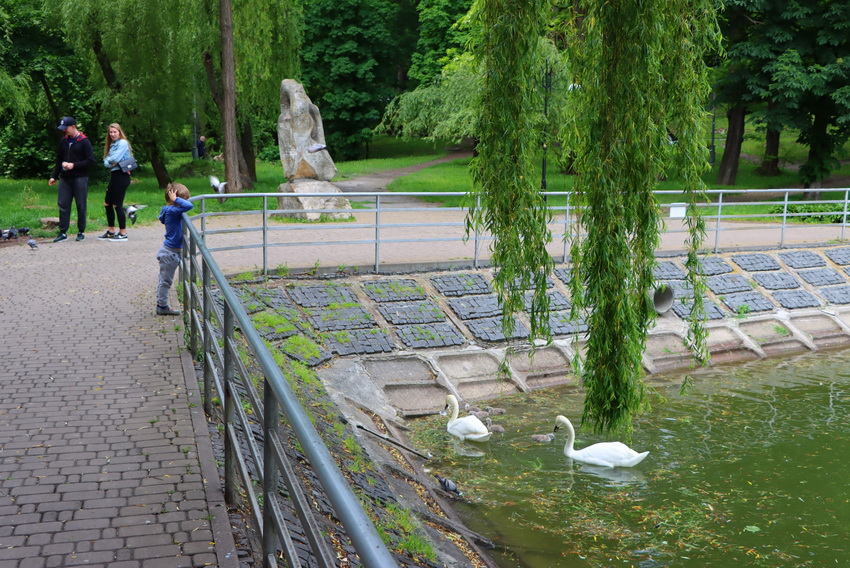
[73, 160]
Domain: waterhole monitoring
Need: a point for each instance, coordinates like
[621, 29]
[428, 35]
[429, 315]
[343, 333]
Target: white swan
[467, 428]
[605, 454]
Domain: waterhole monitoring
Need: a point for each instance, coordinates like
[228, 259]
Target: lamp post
[547, 88]
[194, 128]
[712, 152]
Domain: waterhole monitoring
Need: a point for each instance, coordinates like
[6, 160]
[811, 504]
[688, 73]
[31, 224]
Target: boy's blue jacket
[170, 216]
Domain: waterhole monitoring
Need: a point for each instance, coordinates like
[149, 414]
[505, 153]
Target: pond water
[748, 466]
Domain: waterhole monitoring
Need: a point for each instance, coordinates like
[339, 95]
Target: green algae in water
[746, 467]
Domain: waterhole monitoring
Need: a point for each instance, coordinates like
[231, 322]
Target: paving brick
[149, 540]
[35, 528]
[171, 550]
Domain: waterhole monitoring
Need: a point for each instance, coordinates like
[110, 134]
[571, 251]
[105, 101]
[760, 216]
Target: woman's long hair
[121, 136]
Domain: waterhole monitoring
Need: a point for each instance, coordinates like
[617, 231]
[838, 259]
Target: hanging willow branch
[639, 76]
[511, 207]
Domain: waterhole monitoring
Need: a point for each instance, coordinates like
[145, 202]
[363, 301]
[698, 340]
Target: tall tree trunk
[228, 117]
[218, 99]
[770, 161]
[148, 143]
[732, 153]
[249, 156]
[821, 150]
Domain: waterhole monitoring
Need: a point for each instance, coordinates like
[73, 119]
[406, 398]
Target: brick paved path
[105, 458]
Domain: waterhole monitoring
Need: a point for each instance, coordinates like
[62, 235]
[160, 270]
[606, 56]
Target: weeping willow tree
[639, 76]
[511, 207]
[141, 57]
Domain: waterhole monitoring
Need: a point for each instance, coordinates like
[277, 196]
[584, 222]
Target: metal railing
[376, 227]
[228, 379]
[383, 233]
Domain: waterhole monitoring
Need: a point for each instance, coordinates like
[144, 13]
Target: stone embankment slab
[420, 336]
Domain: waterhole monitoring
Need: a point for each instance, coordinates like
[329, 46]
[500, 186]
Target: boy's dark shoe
[166, 311]
[60, 238]
[106, 236]
[118, 237]
[80, 237]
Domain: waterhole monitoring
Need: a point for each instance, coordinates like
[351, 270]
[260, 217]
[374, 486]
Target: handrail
[368, 544]
[222, 364]
[382, 224]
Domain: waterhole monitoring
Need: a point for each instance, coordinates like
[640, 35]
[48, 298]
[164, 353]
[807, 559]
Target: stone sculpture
[307, 164]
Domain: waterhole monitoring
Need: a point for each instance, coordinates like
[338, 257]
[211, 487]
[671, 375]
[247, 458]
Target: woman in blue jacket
[116, 149]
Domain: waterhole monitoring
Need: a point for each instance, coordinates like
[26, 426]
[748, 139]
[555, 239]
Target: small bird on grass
[218, 187]
[448, 485]
[24, 231]
[33, 245]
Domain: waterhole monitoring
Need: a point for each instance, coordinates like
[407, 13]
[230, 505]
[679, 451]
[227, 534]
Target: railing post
[270, 474]
[784, 221]
[844, 220]
[717, 223]
[566, 226]
[377, 234]
[265, 236]
[208, 338]
[229, 410]
[188, 296]
[475, 260]
[204, 220]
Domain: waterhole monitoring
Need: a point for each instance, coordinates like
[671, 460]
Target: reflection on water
[747, 467]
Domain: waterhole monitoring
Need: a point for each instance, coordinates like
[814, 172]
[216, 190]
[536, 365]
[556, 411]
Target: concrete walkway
[105, 456]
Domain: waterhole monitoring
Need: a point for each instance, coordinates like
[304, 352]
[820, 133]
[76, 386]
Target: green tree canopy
[142, 57]
[348, 68]
[788, 62]
[439, 39]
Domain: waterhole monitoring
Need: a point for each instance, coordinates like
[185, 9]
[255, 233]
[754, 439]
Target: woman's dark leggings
[114, 200]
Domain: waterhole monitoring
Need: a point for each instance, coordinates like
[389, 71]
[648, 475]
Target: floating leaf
[752, 529]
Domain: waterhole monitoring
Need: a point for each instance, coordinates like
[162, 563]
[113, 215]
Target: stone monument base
[306, 205]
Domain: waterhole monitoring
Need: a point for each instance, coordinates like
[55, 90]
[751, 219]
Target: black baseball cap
[66, 122]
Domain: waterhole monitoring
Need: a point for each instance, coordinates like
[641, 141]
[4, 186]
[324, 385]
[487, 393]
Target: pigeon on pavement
[33, 245]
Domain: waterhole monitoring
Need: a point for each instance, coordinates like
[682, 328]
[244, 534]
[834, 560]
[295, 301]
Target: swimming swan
[467, 428]
[605, 454]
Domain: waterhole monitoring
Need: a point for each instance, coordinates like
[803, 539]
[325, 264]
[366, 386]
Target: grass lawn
[454, 176]
[24, 201]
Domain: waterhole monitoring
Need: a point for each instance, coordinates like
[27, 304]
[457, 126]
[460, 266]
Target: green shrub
[815, 212]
